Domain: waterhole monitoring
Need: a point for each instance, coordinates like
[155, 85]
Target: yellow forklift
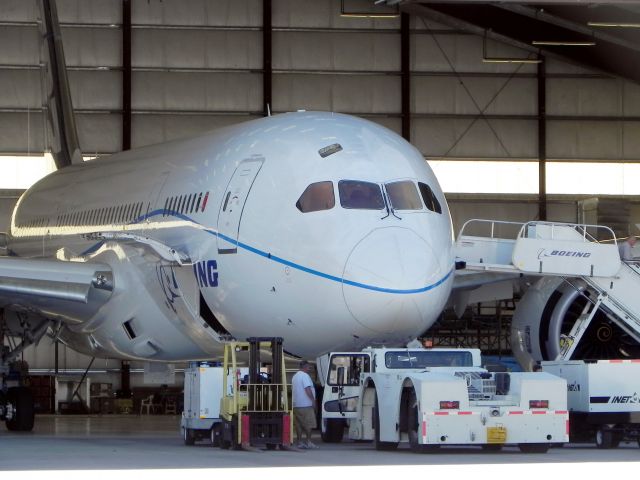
[255, 407]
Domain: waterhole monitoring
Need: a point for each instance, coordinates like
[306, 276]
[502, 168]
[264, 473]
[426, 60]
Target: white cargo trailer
[603, 398]
[435, 397]
[202, 394]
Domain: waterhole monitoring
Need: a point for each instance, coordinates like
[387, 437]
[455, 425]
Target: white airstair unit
[559, 249]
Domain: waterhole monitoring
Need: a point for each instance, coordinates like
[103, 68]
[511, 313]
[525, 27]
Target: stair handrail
[579, 227]
[489, 221]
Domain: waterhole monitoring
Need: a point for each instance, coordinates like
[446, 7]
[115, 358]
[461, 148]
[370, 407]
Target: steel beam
[542, 141]
[126, 74]
[267, 66]
[405, 74]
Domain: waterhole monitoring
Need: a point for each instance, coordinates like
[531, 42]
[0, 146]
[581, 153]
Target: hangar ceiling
[600, 36]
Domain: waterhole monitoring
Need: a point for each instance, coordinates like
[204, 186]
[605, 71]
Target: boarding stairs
[559, 249]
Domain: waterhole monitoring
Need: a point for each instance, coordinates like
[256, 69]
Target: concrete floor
[79, 443]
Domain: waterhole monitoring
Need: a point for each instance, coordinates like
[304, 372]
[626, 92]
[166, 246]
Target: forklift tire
[333, 431]
[606, 439]
[189, 436]
[22, 400]
[381, 446]
[533, 447]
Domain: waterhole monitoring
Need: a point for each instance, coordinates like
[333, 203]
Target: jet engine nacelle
[545, 316]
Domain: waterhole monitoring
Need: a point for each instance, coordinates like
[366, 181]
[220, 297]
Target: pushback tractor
[429, 398]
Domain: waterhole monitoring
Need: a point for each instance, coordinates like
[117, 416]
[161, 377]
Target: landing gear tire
[333, 431]
[188, 436]
[533, 447]
[381, 446]
[22, 400]
[606, 439]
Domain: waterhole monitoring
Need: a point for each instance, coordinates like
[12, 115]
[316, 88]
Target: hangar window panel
[429, 198]
[360, 195]
[316, 197]
[403, 195]
[593, 178]
[480, 176]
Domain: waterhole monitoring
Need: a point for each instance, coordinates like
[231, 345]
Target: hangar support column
[405, 67]
[542, 141]
[266, 57]
[126, 74]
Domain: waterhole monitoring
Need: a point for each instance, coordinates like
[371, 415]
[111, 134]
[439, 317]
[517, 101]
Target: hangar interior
[514, 131]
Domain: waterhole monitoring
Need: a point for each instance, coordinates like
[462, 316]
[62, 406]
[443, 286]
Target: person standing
[304, 402]
[626, 249]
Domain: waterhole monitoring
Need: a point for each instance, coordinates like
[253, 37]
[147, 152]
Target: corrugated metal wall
[197, 65]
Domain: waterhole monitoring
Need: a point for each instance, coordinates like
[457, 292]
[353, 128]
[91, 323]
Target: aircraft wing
[58, 290]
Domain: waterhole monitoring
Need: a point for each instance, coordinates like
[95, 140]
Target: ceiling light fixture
[486, 59]
[614, 24]
[510, 60]
[563, 44]
[344, 13]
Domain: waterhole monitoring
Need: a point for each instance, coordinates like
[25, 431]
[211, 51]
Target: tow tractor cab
[434, 397]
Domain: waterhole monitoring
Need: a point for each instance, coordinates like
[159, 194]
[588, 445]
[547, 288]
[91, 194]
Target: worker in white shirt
[304, 402]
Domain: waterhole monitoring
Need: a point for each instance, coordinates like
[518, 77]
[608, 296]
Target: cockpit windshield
[403, 195]
[360, 195]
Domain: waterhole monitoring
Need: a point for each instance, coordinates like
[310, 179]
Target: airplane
[325, 229]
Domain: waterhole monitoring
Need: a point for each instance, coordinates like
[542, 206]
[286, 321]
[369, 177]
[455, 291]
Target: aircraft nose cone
[386, 280]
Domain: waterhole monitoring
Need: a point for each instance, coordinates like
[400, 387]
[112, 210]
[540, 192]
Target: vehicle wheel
[533, 447]
[22, 400]
[215, 434]
[413, 425]
[492, 447]
[189, 436]
[378, 444]
[604, 439]
[334, 431]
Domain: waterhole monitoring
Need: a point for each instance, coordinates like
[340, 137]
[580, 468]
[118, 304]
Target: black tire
[413, 424]
[215, 434]
[533, 447]
[605, 439]
[22, 400]
[189, 436]
[334, 431]
[492, 447]
[381, 446]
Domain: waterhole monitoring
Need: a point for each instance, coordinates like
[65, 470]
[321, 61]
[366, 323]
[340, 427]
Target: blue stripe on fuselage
[277, 259]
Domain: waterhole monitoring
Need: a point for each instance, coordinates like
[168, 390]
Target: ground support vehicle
[434, 397]
[603, 399]
[16, 399]
[255, 409]
[202, 395]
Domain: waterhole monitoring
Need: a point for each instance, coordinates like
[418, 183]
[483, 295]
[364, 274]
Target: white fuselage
[333, 279]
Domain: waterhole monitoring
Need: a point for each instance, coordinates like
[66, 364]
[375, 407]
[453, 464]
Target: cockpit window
[429, 198]
[360, 195]
[317, 196]
[403, 195]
